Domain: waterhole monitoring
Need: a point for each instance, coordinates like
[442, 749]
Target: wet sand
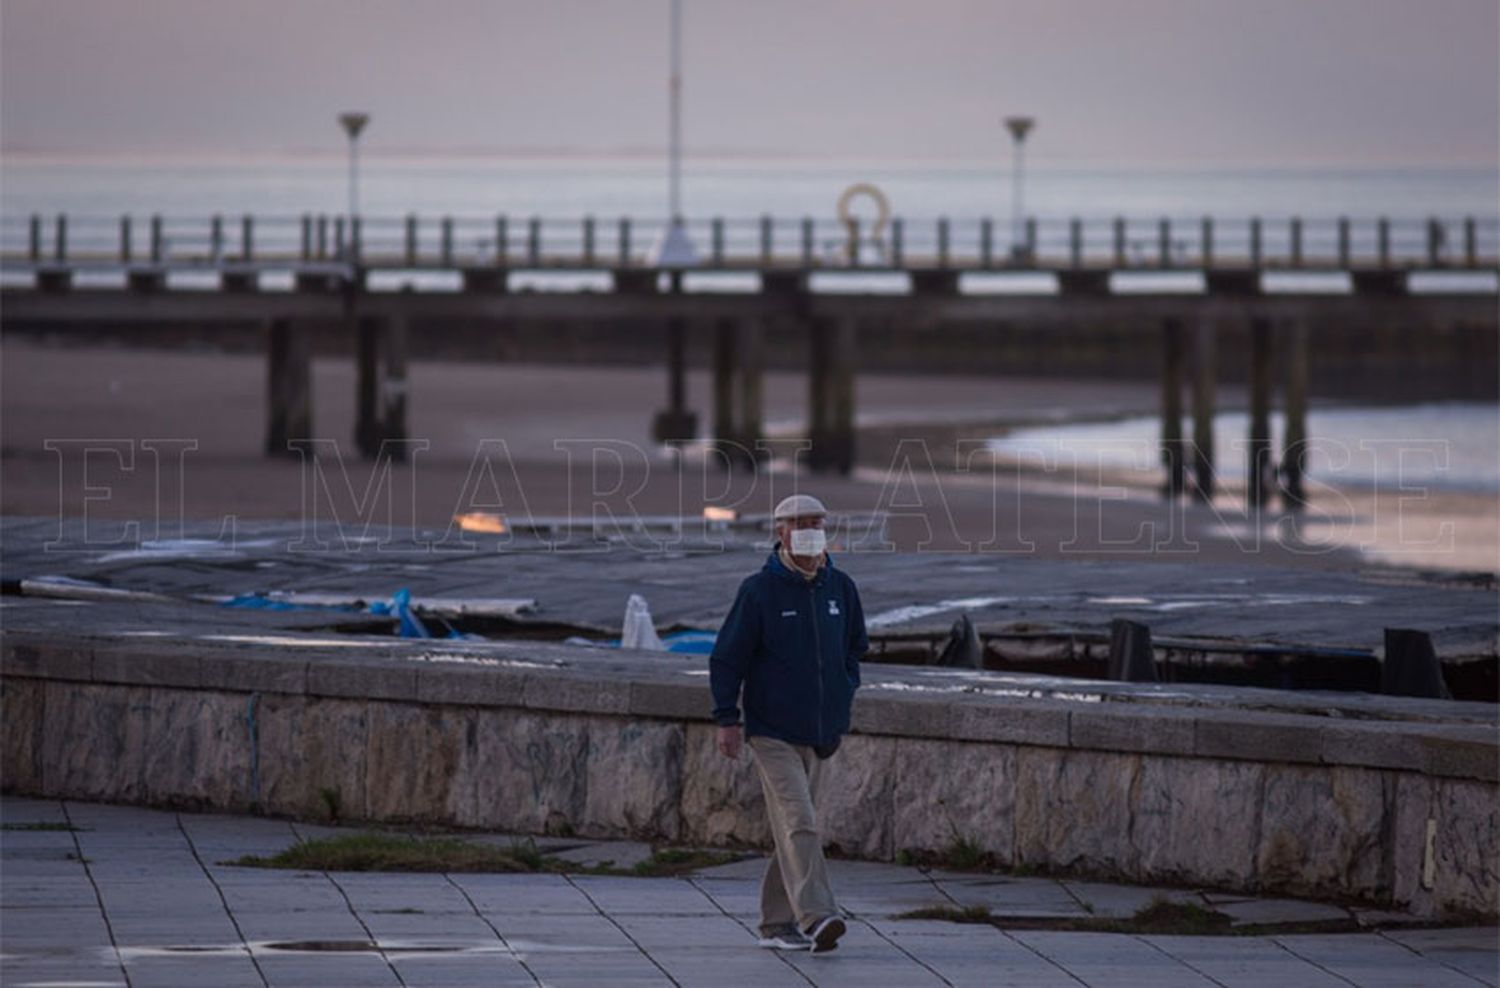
[574, 440]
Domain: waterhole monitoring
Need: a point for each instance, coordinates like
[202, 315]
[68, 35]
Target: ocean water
[568, 188]
[1450, 446]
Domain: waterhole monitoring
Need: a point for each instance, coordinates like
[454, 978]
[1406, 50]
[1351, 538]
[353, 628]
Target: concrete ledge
[1150, 783]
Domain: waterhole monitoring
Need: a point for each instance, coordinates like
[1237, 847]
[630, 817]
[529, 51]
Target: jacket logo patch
[833, 607]
[788, 613]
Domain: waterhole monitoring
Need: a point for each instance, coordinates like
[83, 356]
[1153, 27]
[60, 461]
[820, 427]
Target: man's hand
[730, 741]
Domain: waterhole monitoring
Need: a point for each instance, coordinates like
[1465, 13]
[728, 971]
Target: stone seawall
[1377, 799]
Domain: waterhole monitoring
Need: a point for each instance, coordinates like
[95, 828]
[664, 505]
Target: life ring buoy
[851, 224]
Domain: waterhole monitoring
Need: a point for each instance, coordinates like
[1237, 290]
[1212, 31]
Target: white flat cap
[799, 506]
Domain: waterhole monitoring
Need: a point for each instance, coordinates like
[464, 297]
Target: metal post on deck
[156, 240]
[766, 244]
[356, 238]
[1255, 251]
[60, 238]
[306, 237]
[1164, 242]
[1075, 242]
[942, 242]
[34, 238]
[288, 386]
[1344, 242]
[588, 241]
[716, 241]
[502, 242]
[897, 228]
[125, 246]
[1260, 472]
[1471, 244]
[1294, 455]
[1171, 407]
[1383, 241]
[534, 240]
[411, 239]
[1031, 241]
[247, 238]
[1119, 241]
[339, 249]
[986, 242]
[1207, 247]
[1296, 236]
[807, 242]
[216, 238]
[1204, 367]
[447, 247]
[1434, 241]
[624, 242]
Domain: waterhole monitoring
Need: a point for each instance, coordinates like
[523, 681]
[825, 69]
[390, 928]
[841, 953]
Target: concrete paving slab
[651, 932]
[1475, 951]
[747, 868]
[26, 972]
[1258, 911]
[1245, 962]
[1123, 901]
[658, 896]
[1372, 961]
[718, 967]
[1116, 960]
[620, 854]
[543, 932]
[1028, 897]
[188, 971]
[982, 956]
[21, 809]
[306, 970]
[446, 971]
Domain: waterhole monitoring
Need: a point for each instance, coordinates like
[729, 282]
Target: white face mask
[808, 541]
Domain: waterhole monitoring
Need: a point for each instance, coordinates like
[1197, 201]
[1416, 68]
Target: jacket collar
[777, 568]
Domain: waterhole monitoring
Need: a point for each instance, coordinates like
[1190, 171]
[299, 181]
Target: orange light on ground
[712, 513]
[481, 521]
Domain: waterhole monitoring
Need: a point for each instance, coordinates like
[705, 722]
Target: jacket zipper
[812, 594]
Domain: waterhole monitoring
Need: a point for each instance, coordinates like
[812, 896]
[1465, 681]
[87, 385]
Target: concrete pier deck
[144, 898]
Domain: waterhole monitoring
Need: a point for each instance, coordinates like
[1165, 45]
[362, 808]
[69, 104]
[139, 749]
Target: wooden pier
[375, 278]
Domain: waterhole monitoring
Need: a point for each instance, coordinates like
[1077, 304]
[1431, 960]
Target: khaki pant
[795, 886]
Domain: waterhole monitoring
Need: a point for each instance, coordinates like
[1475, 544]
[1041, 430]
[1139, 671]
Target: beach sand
[174, 434]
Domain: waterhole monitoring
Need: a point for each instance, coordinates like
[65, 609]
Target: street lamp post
[353, 123]
[1019, 127]
[675, 250]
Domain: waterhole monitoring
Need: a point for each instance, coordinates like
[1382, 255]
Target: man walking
[791, 646]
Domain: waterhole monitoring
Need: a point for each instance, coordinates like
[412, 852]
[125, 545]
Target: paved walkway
[140, 898]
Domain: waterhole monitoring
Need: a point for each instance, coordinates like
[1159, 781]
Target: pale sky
[1216, 82]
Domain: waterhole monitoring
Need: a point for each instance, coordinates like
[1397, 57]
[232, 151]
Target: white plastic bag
[639, 632]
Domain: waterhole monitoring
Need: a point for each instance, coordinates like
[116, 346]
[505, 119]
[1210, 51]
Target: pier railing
[759, 243]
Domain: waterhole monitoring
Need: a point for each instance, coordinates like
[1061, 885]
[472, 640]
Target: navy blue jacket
[793, 645]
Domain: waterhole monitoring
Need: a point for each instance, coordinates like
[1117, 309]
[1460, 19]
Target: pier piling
[1171, 407]
[1204, 366]
[1260, 472]
[288, 386]
[1294, 453]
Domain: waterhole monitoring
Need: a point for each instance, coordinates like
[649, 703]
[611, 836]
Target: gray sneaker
[785, 938]
[825, 934]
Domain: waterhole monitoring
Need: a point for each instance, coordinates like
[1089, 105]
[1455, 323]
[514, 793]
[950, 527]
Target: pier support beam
[675, 423]
[752, 347]
[1171, 407]
[1260, 471]
[1294, 455]
[830, 396]
[288, 386]
[725, 435]
[1204, 367]
[380, 403]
